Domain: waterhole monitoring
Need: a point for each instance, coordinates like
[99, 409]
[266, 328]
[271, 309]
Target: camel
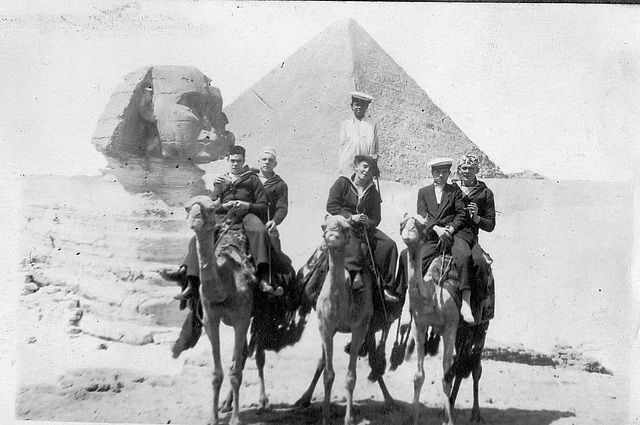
[386, 314]
[340, 310]
[431, 306]
[277, 322]
[226, 296]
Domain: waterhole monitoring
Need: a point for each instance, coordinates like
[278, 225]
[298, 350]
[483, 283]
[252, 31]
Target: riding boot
[191, 289]
[390, 296]
[174, 276]
[265, 286]
[465, 310]
[357, 283]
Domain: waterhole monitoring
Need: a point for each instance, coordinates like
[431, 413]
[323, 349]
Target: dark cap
[373, 164]
[237, 150]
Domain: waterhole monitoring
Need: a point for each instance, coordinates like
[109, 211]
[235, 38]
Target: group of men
[259, 200]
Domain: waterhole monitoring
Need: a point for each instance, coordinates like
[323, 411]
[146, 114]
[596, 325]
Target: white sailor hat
[360, 96]
[440, 162]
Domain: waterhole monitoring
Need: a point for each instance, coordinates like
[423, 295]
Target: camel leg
[454, 390]
[212, 327]
[357, 339]
[260, 362]
[475, 411]
[329, 373]
[449, 339]
[305, 400]
[418, 379]
[227, 404]
[388, 399]
[237, 363]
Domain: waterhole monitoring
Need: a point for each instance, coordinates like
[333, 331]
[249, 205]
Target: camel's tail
[189, 334]
[469, 346]
[278, 322]
[431, 344]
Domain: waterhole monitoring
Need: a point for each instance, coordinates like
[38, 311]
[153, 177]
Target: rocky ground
[96, 325]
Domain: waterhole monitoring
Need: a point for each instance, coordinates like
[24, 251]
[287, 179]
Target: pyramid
[299, 106]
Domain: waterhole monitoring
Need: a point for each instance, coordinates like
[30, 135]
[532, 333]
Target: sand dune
[561, 280]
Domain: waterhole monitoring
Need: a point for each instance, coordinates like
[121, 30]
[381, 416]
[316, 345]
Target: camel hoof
[390, 405]
[302, 403]
[265, 408]
[476, 417]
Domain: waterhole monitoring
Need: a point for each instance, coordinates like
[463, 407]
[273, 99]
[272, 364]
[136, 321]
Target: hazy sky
[552, 88]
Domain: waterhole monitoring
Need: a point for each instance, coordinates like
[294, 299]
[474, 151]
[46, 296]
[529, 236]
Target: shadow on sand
[376, 413]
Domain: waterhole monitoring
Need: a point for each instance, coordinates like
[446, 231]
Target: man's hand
[270, 226]
[220, 180]
[240, 207]
[439, 230]
[472, 209]
[360, 219]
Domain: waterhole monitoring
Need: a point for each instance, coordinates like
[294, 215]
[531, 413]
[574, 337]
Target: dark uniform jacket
[278, 198]
[343, 200]
[482, 196]
[450, 211]
[247, 188]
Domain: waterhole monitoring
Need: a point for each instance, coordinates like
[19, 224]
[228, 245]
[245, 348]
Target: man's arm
[334, 202]
[282, 203]
[260, 203]
[343, 134]
[422, 203]
[376, 215]
[460, 217]
[487, 221]
[376, 145]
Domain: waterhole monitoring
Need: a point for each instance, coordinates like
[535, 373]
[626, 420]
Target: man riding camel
[242, 198]
[481, 209]
[441, 204]
[357, 199]
[277, 193]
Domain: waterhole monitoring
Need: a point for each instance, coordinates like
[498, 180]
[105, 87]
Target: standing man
[358, 136]
[277, 194]
[442, 205]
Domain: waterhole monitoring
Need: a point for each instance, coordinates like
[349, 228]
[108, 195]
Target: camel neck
[415, 279]
[205, 246]
[337, 282]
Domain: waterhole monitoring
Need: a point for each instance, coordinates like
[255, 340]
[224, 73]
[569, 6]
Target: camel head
[201, 213]
[413, 229]
[336, 231]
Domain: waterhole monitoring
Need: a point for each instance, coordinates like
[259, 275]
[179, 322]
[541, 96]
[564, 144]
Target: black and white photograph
[256, 212]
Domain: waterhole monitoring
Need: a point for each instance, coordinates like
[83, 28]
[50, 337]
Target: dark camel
[226, 296]
[433, 307]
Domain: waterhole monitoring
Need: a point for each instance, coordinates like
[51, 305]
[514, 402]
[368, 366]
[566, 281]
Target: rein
[375, 271]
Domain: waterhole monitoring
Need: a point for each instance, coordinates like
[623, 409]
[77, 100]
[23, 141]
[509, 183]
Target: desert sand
[96, 322]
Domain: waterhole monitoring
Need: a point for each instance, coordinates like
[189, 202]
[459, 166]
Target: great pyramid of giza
[299, 106]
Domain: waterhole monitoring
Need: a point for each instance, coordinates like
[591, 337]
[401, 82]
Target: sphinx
[159, 124]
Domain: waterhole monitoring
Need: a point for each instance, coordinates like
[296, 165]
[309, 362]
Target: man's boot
[265, 286]
[175, 276]
[390, 296]
[357, 283]
[191, 289]
[467, 315]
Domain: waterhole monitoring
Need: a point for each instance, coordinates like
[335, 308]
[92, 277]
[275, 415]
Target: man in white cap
[358, 135]
[441, 204]
[277, 193]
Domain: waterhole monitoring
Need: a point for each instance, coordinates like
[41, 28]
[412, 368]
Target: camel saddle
[483, 293]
